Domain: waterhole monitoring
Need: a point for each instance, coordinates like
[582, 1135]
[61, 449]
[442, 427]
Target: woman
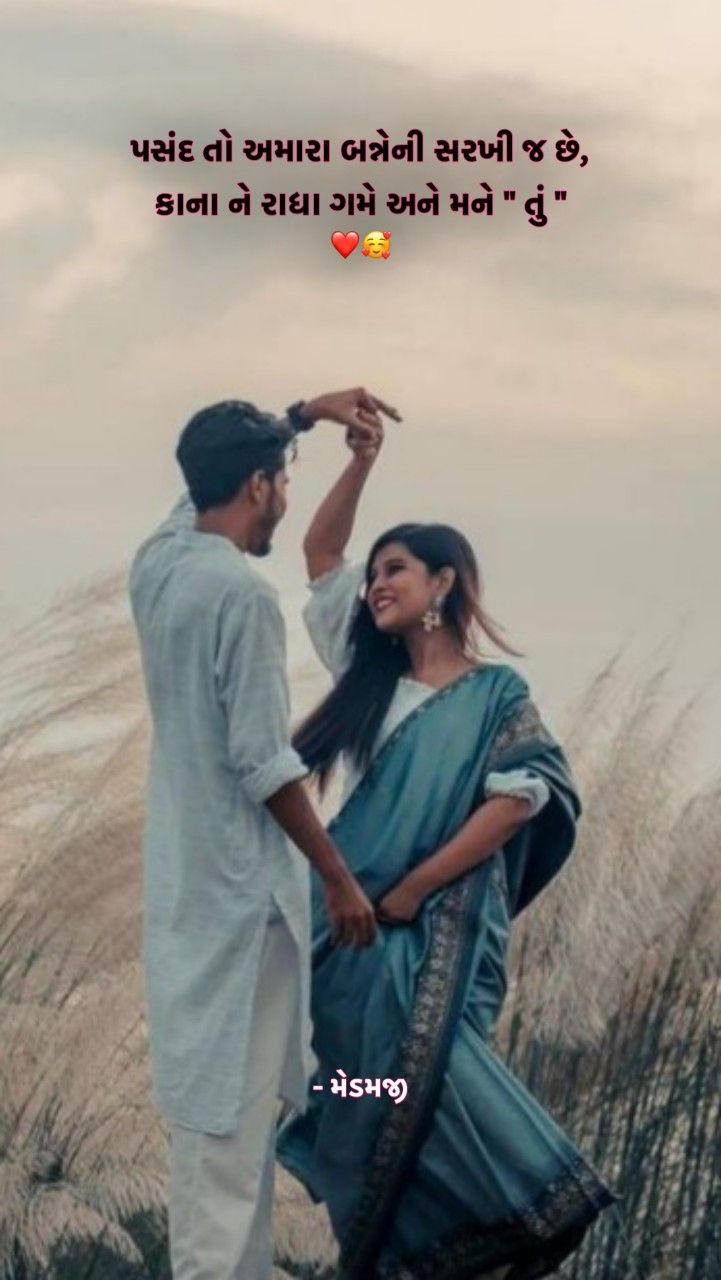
[458, 809]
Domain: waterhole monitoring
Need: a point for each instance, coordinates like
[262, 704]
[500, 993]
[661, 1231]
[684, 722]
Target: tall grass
[612, 1017]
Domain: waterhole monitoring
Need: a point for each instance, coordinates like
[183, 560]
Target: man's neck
[225, 522]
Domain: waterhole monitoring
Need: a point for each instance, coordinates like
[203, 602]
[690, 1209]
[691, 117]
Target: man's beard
[267, 526]
[264, 544]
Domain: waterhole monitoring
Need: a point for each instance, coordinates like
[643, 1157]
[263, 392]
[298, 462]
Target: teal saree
[467, 1176]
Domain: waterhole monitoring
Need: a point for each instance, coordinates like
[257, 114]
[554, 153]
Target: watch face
[297, 421]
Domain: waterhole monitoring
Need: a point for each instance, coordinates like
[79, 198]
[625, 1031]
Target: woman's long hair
[350, 717]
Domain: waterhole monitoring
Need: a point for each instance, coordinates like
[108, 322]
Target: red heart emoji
[345, 242]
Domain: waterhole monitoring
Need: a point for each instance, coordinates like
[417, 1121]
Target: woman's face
[400, 589]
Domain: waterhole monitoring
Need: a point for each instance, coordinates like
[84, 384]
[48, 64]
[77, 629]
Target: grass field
[612, 1017]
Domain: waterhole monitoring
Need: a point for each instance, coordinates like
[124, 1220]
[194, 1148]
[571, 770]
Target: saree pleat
[468, 1174]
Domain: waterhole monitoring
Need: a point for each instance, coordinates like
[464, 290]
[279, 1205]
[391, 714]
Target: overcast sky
[559, 386]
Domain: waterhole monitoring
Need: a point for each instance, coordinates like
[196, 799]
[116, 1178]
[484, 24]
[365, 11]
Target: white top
[328, 615]
[217, 865]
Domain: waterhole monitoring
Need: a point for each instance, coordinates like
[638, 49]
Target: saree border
[531, 1245]
[522, 725]
[423, 1054]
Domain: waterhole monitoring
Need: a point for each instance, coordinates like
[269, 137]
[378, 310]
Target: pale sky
[560, 386]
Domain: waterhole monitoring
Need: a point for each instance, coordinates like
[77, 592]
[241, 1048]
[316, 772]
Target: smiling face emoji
[377, 244]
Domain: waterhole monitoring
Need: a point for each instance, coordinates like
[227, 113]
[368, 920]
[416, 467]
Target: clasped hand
[401, 904]
[359, 412]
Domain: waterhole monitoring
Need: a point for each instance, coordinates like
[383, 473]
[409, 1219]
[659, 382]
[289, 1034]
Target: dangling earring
[432, 618]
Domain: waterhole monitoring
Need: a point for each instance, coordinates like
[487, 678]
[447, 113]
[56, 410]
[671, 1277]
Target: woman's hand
[402, 904]
[365, 445]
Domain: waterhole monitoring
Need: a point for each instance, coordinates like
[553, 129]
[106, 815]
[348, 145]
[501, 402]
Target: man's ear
[255, 486]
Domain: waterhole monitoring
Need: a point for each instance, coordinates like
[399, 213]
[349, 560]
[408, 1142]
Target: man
[226, 895]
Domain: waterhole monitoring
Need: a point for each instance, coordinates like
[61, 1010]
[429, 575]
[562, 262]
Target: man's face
[272, 506]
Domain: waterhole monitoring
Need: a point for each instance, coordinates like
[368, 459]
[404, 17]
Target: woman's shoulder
[328, 614]
[341, 579]
[506, 678]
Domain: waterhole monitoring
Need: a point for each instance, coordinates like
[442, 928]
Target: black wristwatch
[295, 417]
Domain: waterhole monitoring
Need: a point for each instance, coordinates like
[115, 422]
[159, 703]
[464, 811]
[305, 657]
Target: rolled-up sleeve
[522, 784]
[253, 689]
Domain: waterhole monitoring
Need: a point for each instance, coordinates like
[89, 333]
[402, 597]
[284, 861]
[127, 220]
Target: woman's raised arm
[331, 527]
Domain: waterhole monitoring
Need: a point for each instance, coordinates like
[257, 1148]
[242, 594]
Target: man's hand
[356, 409]
[351, 914]
[350, 911]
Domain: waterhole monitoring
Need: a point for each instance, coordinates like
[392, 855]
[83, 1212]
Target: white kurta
[216, 863]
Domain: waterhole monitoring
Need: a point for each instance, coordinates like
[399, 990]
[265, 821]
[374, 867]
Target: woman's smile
[382, 602]
[386, 611]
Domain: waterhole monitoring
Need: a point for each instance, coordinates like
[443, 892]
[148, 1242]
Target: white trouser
[221, 1188]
